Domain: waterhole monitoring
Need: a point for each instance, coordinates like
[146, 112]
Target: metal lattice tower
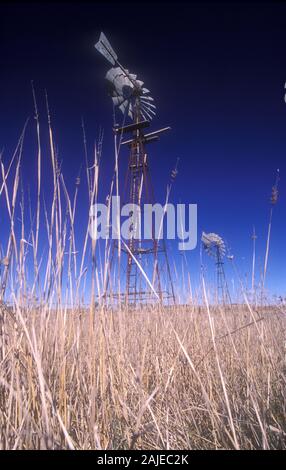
[143, 257]
[214, 246]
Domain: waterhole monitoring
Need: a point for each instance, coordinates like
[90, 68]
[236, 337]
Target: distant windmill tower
[147, 279]
[214, 246]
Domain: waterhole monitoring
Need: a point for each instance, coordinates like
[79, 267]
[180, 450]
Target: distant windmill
[214, 246]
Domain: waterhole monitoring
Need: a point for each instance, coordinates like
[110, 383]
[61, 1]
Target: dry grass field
[150, 379]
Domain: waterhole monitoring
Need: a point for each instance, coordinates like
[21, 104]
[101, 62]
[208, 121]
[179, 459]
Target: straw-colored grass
[152, 379]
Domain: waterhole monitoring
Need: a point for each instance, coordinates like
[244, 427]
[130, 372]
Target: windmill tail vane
[104, 47]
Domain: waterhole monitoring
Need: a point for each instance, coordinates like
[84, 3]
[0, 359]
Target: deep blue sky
[217, 74]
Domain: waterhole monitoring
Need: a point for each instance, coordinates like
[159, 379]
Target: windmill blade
[148, 104]
[147, 98]
[104, 47]
[130, 112]
[129, 107]
[127, 81]
[222, 249]
[143, 115]
[147, 109]
[139, 83]
[120, 84]
[129, 76]
[123, 106]
[145, 91]
[209, 238]
[210, 250]
[111, 74]
[213, 244]
[206, 240]
[150, 113]
[118, 100]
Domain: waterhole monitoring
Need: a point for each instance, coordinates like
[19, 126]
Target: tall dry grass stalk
[273, 201]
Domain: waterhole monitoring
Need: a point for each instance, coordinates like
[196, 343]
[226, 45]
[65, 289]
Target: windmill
[127, 92]
[214, 246]
[133, 100]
